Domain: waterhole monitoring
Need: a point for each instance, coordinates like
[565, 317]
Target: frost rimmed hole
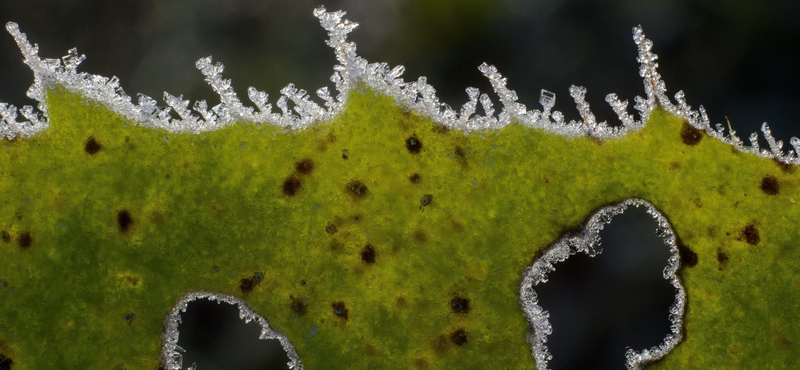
[172, 357]
[587, 242]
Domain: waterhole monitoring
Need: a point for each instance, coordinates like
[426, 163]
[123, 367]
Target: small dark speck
[339, 309]
[298, 305]
[24, 240]
[291, 185]
[368, 254]
[459, 337]
[5, 362]
[130, 317]
[426, 200]
[687, 256]
[413, 145]
[459, 304]
[124, 220]
[345, 154]
[690, 135]
[331, 228]
[303, 282]
[92, 146]
[770, 186]
[357, 188]
[415, 178]
[750, 234]
[306, 166]
[5, 236]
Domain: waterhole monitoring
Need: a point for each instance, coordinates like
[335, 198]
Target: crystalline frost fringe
[417, 95]
[352, 69]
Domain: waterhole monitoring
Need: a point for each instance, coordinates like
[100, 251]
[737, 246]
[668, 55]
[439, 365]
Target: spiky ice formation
[298, 110]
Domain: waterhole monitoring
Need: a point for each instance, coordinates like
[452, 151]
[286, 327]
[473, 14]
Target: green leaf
[378, 239]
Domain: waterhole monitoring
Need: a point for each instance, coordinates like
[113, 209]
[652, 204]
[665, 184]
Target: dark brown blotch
[291, 186]
[246, 284]
[722, 258]
[770, 186]
[92, 146]
[305, 166]
[420, 237]
[129, 317]
[331, 228]
[688, 257]
[459, 337]
[785, 167]
[461, 155]
[357, 189]
[368, 254]
[340, 310]
[5, 236]
[298, 305]
[345, 154]
[459, 304]
[426, 200]
[25, 240]
[124, 220]
[690, 135]
[413, 144]
[750, 234]
[415, 178]
[5, 362]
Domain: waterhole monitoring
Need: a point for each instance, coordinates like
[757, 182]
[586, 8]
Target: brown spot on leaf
[785, 167]
[770, 186]
[459, 304]
[331, 228]
[722, 258]
[415, 178]
[305, 166]
[25, 240]
[246, 284]
[357, 189]
[345, 154]
[129, 317]
[459, 337]
[298, 305]
[340, 310]
[461, 155]
[5, 362]
[92, 146]
[291, 185]
[750, 234]
[426, 200]
[688, 257]
[5, 236]
[413, 144]
[124, 220]
[690, 135]
[368, 254]
[400, 301]
[420, 237]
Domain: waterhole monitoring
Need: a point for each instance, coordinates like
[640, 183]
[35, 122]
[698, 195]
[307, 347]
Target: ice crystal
[588, 242]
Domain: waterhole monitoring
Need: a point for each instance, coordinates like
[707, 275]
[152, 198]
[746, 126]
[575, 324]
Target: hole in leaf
[600, 306]
[215, 338]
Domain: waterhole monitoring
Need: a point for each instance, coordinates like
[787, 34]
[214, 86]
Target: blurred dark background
[737, 58]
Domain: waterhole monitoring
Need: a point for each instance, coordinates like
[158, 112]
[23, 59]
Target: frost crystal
[588, 242]
[298, 109]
